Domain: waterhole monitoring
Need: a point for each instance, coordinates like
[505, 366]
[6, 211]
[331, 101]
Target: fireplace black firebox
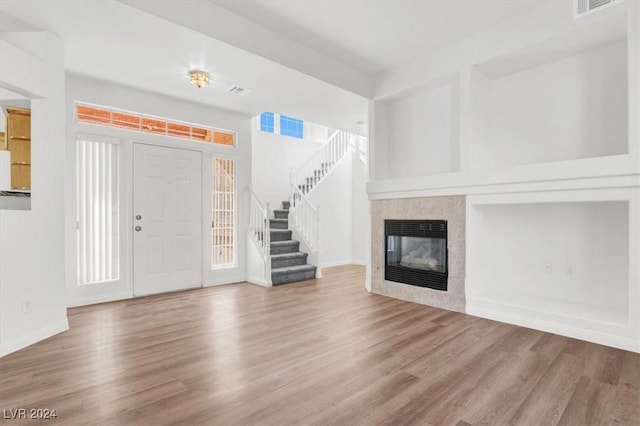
[416, 252]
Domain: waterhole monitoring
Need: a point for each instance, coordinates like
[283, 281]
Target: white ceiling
[139, 44]
[376, 35]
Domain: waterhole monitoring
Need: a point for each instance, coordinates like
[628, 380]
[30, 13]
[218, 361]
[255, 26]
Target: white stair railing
[304, 220]
[321, 162]
[259, 231]
[304, 217]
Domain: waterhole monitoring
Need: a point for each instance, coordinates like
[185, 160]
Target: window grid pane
[223, 219]
[267, 121]
[291, 127]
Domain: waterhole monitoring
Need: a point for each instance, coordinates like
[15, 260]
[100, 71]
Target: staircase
[288, 264]
[281, 259]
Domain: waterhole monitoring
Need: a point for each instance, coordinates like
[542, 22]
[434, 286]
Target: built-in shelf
[561, 263]
[420, 130]
[590, 173]
[562, 99]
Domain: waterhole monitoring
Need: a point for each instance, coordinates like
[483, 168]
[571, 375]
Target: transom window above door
[137, 122]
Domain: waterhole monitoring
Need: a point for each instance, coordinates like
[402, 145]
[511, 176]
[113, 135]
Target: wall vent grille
[584, 7]
[237, 90]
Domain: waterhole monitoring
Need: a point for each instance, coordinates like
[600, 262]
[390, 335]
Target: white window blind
[224, 211]
[97, 212]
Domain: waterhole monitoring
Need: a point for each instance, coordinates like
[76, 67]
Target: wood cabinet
[19, 145]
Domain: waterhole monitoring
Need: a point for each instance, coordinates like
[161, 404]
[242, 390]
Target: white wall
[360, 212]
[273, 157]
[421, 132]
[32, 242]
[568, 109]
[98, 92]
[379, 147]
[333, 195]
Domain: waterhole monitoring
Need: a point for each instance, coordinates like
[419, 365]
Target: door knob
[138, 217]
[138, 228]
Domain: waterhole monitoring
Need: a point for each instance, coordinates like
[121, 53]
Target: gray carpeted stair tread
[284, 246]
[288, 263]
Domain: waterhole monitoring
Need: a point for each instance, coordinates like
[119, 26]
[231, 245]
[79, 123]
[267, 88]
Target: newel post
[267, 229]
[267, 245]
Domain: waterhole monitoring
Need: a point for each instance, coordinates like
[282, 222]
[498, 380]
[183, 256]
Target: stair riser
[286, 205]
[281, 215]
[282, 263]
[276, 224]
[292, 248]
[280, 236]
[295, 276]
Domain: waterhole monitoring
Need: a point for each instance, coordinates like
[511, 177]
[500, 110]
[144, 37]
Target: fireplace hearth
[416, 253]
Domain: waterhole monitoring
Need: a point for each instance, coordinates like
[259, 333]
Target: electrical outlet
[27, 307]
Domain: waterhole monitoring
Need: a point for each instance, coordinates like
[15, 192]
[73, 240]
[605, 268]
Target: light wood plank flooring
[321, 352]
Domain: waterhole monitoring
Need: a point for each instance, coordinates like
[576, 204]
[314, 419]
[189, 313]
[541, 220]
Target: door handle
[138, 228]
[138, 217]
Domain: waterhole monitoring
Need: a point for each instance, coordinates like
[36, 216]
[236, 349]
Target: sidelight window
[224, 213]
[97, 212]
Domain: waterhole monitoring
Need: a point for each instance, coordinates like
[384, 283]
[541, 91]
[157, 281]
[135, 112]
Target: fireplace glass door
[416, 252]
[427, 254]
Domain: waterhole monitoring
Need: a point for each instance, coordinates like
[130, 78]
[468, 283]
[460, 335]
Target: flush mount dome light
[199, 78]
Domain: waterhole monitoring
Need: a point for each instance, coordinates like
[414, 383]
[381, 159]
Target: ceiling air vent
[584, 7]
[237, 90]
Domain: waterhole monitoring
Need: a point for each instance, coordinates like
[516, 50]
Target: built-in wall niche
[558, 100]
[419, 131]
[560, 263]
[15, 151]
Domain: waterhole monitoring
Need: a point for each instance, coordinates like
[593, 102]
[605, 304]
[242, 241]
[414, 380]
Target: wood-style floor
[319, 352]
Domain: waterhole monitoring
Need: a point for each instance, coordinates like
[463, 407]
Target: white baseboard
[552, 327]
[93, 300]
[34, 337]
[224, 282]
[261, 283]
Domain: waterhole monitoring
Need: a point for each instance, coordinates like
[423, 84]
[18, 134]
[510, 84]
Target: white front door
[167, 219]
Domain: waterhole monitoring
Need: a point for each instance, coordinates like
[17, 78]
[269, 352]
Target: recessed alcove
[561, 263]
[561, 99]
[418, 131]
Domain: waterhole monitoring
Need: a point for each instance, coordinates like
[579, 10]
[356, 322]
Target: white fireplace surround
[539, 134]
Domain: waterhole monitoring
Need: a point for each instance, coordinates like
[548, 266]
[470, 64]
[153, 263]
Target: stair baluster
[259, 231]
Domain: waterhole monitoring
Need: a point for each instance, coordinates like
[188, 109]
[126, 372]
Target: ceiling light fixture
[199, 78]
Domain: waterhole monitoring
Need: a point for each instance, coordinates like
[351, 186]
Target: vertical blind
[224, 206]
[97, 212]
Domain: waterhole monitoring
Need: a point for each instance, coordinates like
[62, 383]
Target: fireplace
[416, 252]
